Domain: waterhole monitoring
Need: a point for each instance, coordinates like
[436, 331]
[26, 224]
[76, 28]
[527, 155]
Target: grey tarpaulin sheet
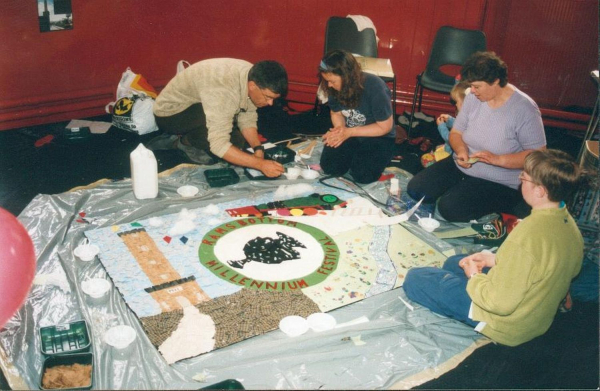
[402, 348]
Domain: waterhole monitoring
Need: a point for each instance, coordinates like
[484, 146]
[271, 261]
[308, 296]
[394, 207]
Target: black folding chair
[341, 33]
[452, 46]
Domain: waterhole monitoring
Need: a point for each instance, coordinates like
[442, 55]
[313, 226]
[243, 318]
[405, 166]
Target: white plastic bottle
[144, 173]
[395, 187]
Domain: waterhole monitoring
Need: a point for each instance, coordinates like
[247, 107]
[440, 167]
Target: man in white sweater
[210, 107]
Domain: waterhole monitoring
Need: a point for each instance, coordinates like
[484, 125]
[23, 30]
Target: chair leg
[394, 98]
[420, 98]
[412, 111]
[316, 108]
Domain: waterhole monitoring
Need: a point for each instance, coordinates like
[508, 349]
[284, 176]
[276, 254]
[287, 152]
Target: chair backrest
[341, 33]
[453, 46]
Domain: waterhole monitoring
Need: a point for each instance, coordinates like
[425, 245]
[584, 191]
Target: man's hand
[268, 167]
[271, 168]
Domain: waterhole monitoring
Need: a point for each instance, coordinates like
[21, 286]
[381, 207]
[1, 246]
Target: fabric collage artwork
[222, 279]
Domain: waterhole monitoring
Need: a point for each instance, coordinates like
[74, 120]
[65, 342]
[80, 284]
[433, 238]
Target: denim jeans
[443, 291]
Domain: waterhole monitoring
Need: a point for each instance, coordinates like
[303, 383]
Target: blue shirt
[374, 105]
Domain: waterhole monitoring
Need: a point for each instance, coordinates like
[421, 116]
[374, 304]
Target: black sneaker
[491, 233]
[164, 141]
[196, 155]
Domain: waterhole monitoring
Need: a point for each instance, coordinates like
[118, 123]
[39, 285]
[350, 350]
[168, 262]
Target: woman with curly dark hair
[361, 140]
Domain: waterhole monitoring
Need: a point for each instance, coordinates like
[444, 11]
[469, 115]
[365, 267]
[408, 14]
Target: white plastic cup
[310, 174]
[293, 173]
[96, 290]
[429, 224]
[187, 191]
[120, 339]
[320, 321]
[86, 252]
[293, 325]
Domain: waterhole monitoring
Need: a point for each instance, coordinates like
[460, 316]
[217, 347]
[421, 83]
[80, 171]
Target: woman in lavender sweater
[497, 128]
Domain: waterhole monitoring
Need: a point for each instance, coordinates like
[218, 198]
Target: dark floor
[566, 357]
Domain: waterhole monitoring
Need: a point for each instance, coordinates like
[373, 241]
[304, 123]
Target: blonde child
[446, 121]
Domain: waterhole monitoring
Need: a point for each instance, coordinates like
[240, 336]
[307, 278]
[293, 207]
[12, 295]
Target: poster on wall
[55, 15]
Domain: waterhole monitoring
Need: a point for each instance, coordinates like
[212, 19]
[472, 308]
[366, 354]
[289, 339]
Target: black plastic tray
[75, 135]
[280, 154]
[69, 359]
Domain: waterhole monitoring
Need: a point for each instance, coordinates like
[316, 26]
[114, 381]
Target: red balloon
[17, 265]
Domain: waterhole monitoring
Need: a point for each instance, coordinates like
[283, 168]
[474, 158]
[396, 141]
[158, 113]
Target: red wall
[549, 45]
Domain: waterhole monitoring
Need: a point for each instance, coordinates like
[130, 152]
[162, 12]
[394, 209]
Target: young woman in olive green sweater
[513, 295]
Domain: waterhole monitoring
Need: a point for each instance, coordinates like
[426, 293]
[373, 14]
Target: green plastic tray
[65, 339]
[229, 384]
[219, 177]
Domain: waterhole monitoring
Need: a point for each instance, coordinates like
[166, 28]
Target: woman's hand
[462, 159]
[476, 262]
[461, 150]
[470, 267]
[336, 136]
[488, 158]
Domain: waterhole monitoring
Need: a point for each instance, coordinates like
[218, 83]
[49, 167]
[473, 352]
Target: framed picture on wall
[55, 15]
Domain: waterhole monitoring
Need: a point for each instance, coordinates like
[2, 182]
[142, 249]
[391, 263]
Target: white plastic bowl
[429, 224]
[120, 338]
[187, 191]
[293, 172]
[86, 252]
[293, 325]
[310, 174]
[321, 321]
[96, 287]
